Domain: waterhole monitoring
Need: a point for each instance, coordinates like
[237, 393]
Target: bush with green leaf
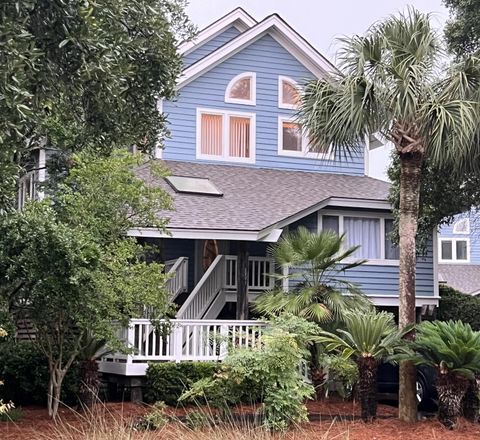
[452, 348]
[457, 306]
[341, 375]
[271, 368]
[167, 381]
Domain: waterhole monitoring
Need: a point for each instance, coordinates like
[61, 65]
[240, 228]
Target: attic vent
[193, 185]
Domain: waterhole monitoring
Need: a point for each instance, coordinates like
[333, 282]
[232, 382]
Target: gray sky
[320, 22]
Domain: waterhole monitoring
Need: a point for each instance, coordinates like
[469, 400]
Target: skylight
[193, 185]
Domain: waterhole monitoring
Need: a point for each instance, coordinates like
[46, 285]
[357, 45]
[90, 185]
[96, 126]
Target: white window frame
[226, 135]
[294, 83]
[467, 220]
[382, 261]
[454, 259]
[305, 153]
[253, 89]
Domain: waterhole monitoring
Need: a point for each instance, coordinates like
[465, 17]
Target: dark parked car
[388, 382]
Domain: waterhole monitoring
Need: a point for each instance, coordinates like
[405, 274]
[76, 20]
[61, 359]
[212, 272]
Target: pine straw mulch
[332, 419]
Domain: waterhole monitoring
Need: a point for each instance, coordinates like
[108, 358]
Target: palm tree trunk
[471, 403]
[367, 387]
[410, 179]
[451, 391]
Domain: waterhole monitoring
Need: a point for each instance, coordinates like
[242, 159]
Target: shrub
[342, 374]
[12, 415]
[24, 370]
[271, 368]
[458, 306]
[167, 381]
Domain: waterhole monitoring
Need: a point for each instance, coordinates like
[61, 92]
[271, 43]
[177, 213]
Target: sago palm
[368, 338]
[393, 83]
[453, 349]
[316, 264]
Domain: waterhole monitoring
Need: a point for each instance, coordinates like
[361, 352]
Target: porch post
[242, 281]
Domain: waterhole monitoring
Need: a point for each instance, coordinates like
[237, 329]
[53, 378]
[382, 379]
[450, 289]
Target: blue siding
[269, 60]
[310, 222]
[446, 231]
[211, 45]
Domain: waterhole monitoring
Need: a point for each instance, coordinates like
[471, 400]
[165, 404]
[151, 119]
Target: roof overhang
[268, 236]
[281, 32]
[237, 18]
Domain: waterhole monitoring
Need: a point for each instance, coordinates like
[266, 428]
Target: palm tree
[452, 348]
[319, 293]
[393, 84]
[368, 337]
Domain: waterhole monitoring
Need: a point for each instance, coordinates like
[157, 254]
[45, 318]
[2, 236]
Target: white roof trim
[281, 32]
[270, 236]
[238, 18]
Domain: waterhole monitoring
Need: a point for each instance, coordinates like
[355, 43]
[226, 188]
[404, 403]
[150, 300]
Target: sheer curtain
[239, 137]
[211, 135]
[364, 232]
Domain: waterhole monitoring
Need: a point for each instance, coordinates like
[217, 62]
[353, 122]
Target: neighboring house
[242, 173]
[459, 253]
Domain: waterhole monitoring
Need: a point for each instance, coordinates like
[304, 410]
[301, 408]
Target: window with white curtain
[223, 135]
[372, 234]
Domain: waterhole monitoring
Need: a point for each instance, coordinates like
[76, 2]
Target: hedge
[459, 306]
[24, 371]
[167, 381]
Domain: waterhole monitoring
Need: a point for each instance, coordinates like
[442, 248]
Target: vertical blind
[211, 134]
[239, 137]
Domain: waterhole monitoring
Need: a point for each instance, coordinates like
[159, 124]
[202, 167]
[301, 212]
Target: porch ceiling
[258, 199]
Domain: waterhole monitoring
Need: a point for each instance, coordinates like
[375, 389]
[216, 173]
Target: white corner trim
[226, 131]
[436, 285]
[306, 153]
[253, 89]
[238, 18]
[278, 29]
[281, 80]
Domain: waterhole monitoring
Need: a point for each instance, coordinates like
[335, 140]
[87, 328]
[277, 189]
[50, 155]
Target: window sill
[226, 159]
[375, 262]
[453, 261]
[306, 155]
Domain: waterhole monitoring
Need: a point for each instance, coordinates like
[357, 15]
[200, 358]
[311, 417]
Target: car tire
[421, 390]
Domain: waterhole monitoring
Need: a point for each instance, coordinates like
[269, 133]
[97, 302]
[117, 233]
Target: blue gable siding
[269, 60]
[446, 231]
[211, 45]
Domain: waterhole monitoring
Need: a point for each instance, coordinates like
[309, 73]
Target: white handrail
[209, 286]
[178, 281]
[260, 270]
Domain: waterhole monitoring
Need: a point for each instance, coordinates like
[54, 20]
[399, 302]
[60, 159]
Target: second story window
[454, 250]
[228, 136]
[288, 93]
[241, 89]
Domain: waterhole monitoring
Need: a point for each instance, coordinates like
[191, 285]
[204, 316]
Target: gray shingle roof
[256, 198]
[462, 277]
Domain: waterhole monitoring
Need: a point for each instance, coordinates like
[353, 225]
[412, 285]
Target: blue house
[459, 253]
[241, 174]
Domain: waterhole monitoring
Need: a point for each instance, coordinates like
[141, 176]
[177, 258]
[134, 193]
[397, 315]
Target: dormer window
[241, 89]
[288, 93]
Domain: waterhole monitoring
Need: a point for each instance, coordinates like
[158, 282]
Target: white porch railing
[209, 286]
[186, 340]
[259, 271]
[178, 270]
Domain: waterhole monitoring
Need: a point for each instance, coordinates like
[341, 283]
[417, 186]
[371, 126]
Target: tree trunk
[54, 391]
[451, 391]
[410, 179]
[471, 403]
[367, 387]
[90, 383]
[242, 281]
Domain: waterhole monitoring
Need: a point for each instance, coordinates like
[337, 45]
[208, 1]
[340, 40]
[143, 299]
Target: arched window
[462, 226]
[241, 89]
[288, 93]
